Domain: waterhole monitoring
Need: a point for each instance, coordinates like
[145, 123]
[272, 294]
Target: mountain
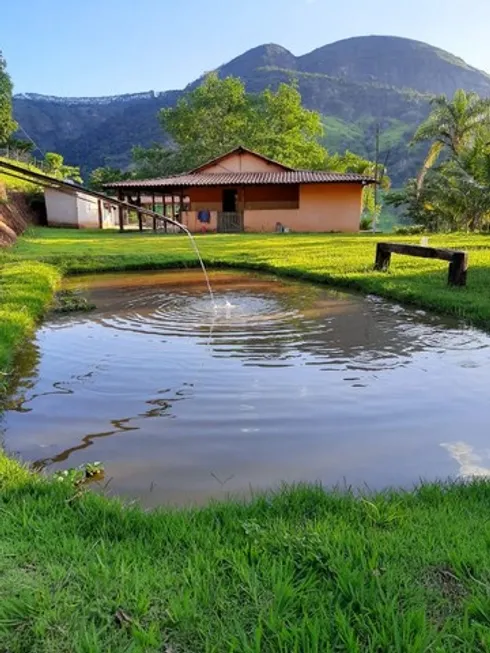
[355, 84]
[398, 62]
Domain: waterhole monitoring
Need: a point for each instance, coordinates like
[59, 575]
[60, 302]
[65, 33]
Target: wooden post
[181, 211]
[383, 258]
[101, 218]
[458, 268]
[164, 209]
[153, 209]
[140, 216]
[120, 209]
[173, 205]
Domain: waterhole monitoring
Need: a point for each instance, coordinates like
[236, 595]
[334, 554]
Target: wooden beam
[153, 209]
[101, 217]
[120, 209]
[140, 216]
[181, 196]
[458, 259]
[419, 250]
[164, 209]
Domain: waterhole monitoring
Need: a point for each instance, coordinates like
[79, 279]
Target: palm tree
[452, 125]
[471, 176]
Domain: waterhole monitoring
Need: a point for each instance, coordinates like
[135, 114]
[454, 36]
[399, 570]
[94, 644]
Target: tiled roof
[245, 179]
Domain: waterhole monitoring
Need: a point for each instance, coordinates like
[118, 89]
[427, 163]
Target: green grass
[299, 571]
[341, 260]
[26, 289]
[15, 183]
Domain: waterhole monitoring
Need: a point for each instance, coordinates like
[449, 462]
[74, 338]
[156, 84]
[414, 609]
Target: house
[246, 191]
[72, 207]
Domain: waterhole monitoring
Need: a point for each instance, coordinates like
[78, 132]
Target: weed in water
[71, 301]
[78, 475]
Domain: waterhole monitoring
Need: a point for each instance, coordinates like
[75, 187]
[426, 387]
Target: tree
[452, 125]
[54, 165]
[455, 195]
[281, 128]
[18, 146]
[219, 115]
[156, 161]
[7, 123]
[105, 175]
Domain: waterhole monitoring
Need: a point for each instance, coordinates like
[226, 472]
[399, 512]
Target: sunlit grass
[16, 183]
[301, 570]
[326, 258]
[26, 289]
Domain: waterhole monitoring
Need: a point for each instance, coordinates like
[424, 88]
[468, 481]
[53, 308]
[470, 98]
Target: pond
[283, 382]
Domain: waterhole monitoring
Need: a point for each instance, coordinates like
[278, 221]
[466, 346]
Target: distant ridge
[355, 83]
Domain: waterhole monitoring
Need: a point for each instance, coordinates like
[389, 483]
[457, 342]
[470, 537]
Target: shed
[67, 207]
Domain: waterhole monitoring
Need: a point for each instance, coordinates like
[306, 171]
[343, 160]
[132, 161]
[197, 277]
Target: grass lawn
[303, 571]
[300, 571]
[336, 259]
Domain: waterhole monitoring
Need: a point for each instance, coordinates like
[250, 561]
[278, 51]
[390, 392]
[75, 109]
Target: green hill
[355, 84]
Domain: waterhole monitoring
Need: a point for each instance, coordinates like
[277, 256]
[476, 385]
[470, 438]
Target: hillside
[355, 83]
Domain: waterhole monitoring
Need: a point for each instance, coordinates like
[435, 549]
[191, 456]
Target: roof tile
[244, 179]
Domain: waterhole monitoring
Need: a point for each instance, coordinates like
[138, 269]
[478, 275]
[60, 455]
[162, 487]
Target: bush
[411, 230]
[366, 223]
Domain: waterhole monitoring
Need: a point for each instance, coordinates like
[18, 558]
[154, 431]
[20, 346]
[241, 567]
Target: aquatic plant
[78, 475]
[71, 301]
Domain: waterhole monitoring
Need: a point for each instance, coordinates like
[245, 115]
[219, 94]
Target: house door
[229, 200]
[230, 220]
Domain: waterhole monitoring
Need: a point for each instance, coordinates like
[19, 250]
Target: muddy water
[283, 382]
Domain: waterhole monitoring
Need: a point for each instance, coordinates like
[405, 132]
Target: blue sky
[105, 47]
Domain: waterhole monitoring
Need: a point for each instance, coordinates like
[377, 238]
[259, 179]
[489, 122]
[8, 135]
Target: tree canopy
[7, 123]
[55, 166]
[219, 115]
[105, 175]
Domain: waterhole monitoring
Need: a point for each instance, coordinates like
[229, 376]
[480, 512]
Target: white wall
[61, 208]
[88, 212]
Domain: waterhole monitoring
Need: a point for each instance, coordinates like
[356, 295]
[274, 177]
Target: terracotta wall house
[245, 191]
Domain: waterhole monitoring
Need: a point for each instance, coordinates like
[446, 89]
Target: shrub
[366, 223]
[411, 230]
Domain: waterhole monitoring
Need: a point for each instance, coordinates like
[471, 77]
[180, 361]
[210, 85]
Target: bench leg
[458, 269]
[383, 258]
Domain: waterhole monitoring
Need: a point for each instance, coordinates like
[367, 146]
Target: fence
[23, 157]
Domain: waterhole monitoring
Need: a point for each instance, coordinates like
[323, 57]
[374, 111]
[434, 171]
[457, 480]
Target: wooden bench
[458, 259]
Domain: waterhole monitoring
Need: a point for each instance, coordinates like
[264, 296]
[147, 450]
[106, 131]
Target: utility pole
[376, 163]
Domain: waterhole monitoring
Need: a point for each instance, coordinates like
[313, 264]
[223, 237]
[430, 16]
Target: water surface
[283, 381]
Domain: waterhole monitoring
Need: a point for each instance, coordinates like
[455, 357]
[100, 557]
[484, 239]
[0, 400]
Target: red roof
[246, 179]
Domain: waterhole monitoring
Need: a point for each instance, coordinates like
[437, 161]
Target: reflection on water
[283, 381]
[470, 462]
